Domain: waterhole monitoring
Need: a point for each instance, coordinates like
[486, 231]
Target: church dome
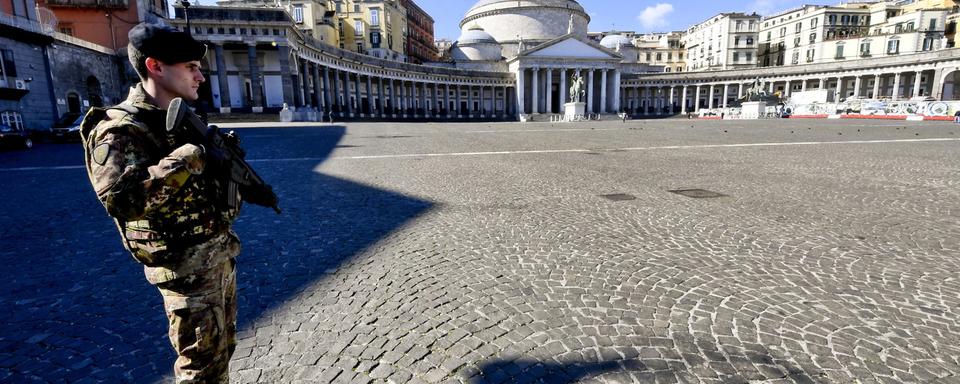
[532, 21]
[612, 41]
[475, 44]
[475, 35]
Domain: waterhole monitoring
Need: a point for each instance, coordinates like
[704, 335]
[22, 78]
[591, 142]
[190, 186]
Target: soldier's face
[182, 79]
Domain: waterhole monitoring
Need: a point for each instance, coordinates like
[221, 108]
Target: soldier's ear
[153, 66]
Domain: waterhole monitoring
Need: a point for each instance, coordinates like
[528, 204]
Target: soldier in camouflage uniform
[166, 203]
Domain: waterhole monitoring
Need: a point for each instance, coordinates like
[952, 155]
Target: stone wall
[79, 70]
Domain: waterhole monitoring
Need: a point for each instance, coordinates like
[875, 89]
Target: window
[669, 56]
[358, 27]
[796, 41]
[910, 27]
[298, 14]
[736, 56]
[839, 54]
[659, 56]
[360, 47]
[783, 31]
[928, 44]
[356, 8]
[810, 55]
[66, 29]
[933, 24]
[799, 27]
[375, 39]
[7, 67]
[865, 48]
[813, 38]
[339, 7]
[813, 23]
[893, 46]
[845, 19]
[749, 41]
[749, 56]
[736, 41]
[832, 19]
[375, 17]
[648, 56]
[768, 35]
[796, 57]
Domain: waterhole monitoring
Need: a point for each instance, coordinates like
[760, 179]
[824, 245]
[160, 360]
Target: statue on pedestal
[576, 88]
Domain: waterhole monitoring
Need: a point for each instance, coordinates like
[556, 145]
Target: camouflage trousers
[202, 312]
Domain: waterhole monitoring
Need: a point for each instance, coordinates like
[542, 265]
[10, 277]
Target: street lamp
[186, 6]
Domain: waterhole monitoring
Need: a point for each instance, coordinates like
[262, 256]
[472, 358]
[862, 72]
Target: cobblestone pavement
[485, 253]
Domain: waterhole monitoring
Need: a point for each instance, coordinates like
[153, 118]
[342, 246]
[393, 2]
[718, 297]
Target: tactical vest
[193, 215]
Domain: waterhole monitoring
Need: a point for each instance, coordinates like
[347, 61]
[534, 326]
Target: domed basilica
[545, 44]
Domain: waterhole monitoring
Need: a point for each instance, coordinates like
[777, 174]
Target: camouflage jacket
[154, 186]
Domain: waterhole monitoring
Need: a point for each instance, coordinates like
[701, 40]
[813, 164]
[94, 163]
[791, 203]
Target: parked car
[68, 127]
[11, 137]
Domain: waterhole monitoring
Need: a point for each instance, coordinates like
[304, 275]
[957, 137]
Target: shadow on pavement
[79, 308]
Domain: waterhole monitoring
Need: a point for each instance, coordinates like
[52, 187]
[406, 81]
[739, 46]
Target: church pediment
[570, 47]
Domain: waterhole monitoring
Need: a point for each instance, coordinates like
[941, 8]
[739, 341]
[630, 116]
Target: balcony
[98, 4]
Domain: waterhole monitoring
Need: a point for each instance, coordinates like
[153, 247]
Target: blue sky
[631, 15]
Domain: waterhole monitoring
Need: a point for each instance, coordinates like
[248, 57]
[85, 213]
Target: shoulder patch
[100, 153]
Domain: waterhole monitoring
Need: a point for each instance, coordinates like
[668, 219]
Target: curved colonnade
[904, 77]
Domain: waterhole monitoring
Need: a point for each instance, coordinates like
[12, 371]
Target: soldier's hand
[192, 155]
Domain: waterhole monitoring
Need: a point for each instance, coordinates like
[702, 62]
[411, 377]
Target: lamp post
[186, 6]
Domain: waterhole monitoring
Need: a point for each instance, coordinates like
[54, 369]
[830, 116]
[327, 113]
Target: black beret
[165, 43]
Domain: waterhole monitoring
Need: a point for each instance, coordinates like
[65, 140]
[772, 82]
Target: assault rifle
[224, 155]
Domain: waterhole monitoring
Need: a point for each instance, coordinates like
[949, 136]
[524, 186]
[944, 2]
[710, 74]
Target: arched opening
[951, 86]
[94, 93]
[73, 103]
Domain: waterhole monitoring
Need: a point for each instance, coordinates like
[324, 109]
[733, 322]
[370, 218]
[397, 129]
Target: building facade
[725, 41]
[420, 43]
[101, 22]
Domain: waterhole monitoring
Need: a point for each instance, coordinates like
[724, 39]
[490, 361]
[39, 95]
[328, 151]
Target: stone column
[335, 102]
[402, 98]
[520, 84]
[896, 87]
[317, 86]
[535, 88]
[820, 85]
[423, 100]
[381, 100]
[616, 91]
[434, 100]
[603, 91]
[683, 100]
[446, 99]
[916, 83]
[710, 99]
[563, 90]
[304, 72]
[223, 80]
[459, 108]
[857, 83]
[739, 90]
[358, 95]
[936, 87]
[327, 100]
[726, 89]
[255, 87]
[392, 98]
[370, 100]
[637, 98]
[295, 78]
[348, 104]
[696, 99]
[590, 90]
[549, 91]
[469, 101]
[876, 87]
[787, 88]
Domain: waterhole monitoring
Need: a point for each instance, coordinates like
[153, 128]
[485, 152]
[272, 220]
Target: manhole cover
[619, 197]
[697, 193]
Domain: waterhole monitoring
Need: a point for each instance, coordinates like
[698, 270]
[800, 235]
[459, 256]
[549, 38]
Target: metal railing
[24, 24]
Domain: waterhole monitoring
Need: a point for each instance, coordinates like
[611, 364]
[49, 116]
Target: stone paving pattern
[825, 263]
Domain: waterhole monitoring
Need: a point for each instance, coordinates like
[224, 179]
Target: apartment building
[102, 22]
[374, 27]
[420, 45]
[662, 49]
[723, 42]
[823, 34]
